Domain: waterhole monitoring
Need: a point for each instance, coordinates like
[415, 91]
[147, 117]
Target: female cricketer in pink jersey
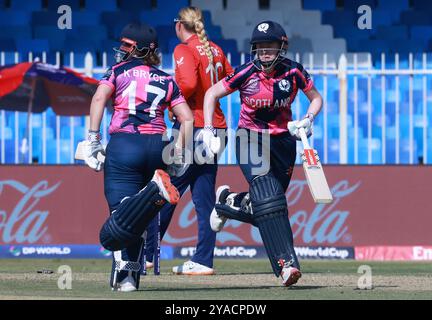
[136, 185]
[268, 85]
[199, 65]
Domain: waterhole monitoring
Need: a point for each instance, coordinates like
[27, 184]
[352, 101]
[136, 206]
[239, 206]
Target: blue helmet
[269, 31]
[137, 39]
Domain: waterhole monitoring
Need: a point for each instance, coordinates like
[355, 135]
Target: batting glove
[211, 143]
[306, 123]
[92, 149]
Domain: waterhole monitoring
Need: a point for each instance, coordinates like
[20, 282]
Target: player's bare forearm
[212, 96]
[99, 100]
[315, 100]
[185, 118]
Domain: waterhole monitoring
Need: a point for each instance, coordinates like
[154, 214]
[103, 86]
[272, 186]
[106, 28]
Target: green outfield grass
[235, 279]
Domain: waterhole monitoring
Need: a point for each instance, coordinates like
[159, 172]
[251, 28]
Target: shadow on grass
[231, 288]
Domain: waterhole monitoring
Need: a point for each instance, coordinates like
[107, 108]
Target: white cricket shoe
[290, 276]
[127, 285]
[217, 222]
[191, 268]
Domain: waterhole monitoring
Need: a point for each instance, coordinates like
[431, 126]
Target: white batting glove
[306, 123]
[211, 143]
[92, 149]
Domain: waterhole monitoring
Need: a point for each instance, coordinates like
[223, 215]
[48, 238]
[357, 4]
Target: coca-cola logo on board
[26, 222]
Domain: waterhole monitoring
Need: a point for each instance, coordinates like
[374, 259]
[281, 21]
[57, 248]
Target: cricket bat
[314, 172]
[80, 153]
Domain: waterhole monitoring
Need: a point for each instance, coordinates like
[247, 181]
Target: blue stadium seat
[28, 5]
[408, 46]
[55, 36]
[74, 44]
[107, 46]
[353, 36]
[167, 60]
[213, 32]
[172, 7]
[319, 5]
[135, 5]
[383, 17]
[354, 4]
[172, 43]
[207, 16]
[416, 18]
[92, 33]
[393, 4]
[340, 18]
[115, 32]
[53, 5]
[422, 5]
[392, 32]
[32, 45]
[165, 33]
[393, 8]
[98, 6]
[16, 32]
[374, 46]
[7, 45]
[157, 18]
[115, 21]
[45, 18]
[421, 32]
[86, 18]
[227, 45]
[14, 18]
[300, 45]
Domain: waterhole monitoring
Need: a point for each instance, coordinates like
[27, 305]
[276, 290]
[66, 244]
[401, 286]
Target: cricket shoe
[191, 268]
[223, 196]
[290, 276]
[167, 190]
[127, 285]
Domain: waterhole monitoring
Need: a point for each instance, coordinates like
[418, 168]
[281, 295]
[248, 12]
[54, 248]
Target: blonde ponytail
[192, 19]
[199, 29]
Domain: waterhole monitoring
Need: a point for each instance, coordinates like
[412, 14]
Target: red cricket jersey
[194, 75]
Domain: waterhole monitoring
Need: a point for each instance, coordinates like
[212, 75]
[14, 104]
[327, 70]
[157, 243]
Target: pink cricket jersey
[140, 96]
[266, 98]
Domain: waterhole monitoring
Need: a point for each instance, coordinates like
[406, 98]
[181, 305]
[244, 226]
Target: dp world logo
[105, 252]
[15, 251]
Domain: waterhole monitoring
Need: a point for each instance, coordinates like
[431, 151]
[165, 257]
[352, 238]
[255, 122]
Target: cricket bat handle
[304, 138]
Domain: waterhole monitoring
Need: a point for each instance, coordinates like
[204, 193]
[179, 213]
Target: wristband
[211, 128]
[310, 116]
[93, 136]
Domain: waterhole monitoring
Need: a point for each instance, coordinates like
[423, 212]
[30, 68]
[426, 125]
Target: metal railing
[341, 76]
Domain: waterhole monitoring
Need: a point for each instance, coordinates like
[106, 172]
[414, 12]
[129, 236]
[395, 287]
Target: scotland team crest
[284, 85]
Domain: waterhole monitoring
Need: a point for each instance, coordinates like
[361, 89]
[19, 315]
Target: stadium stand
[313, 26]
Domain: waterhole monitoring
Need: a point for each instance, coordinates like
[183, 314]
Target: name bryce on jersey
[143, 74]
